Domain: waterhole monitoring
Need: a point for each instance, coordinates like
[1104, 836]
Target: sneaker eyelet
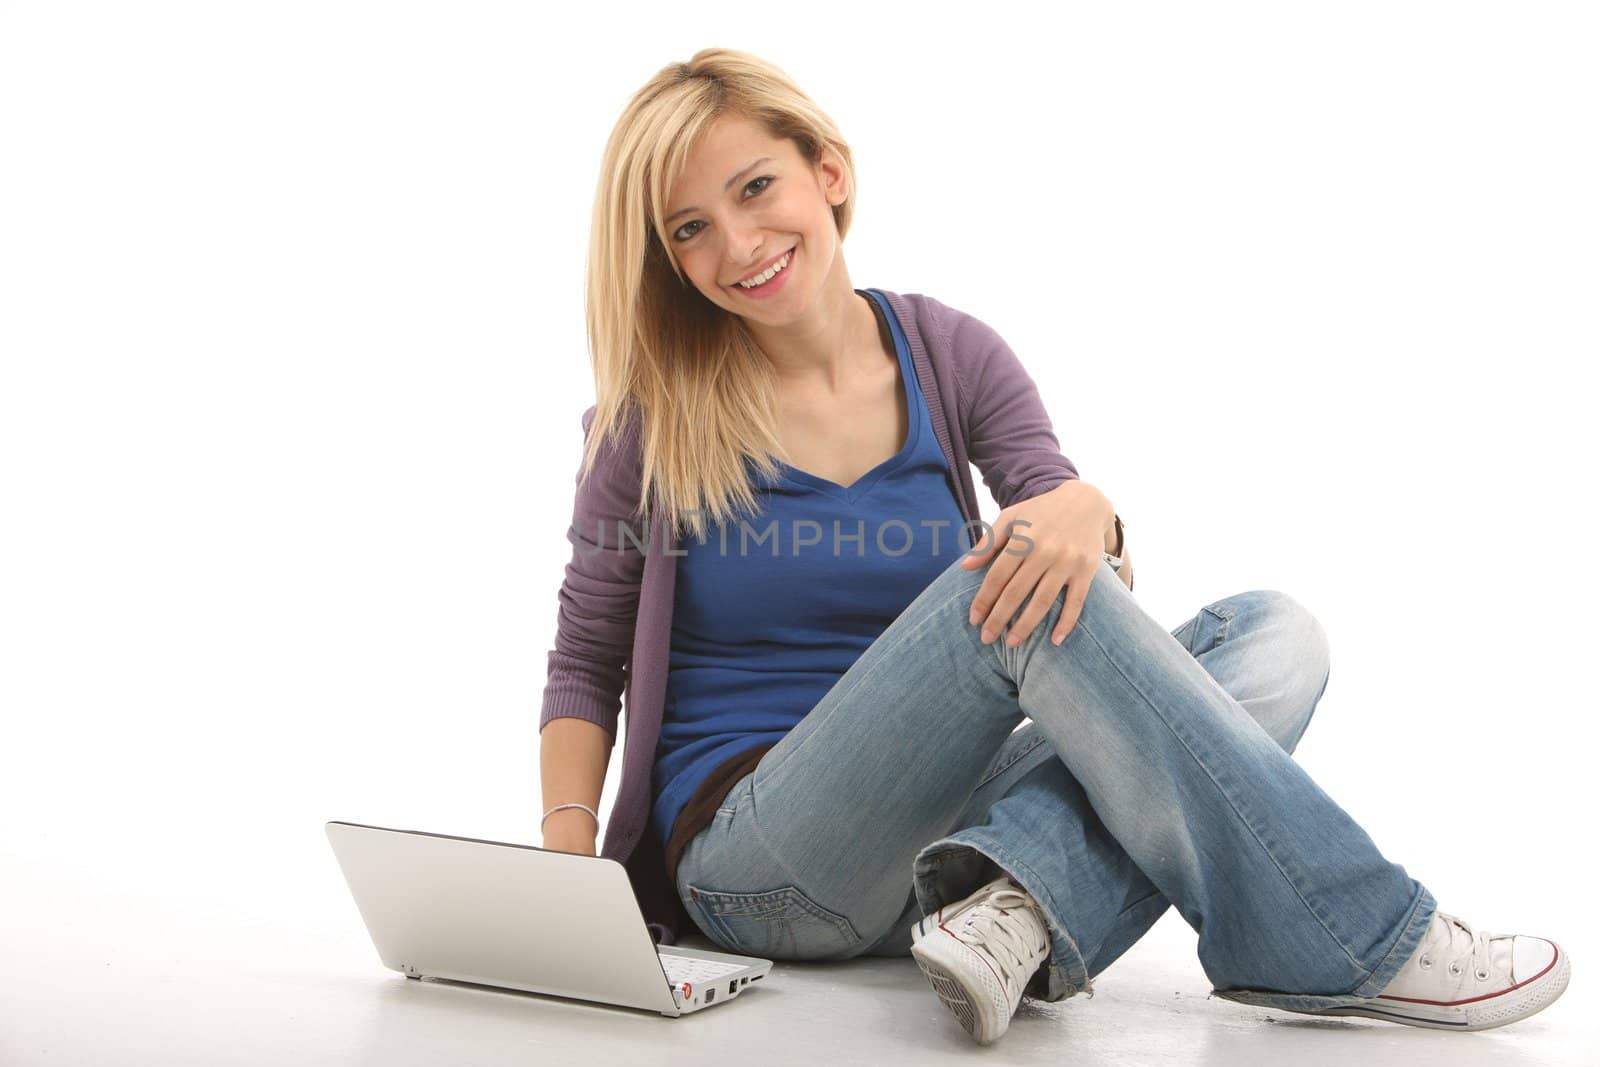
[1424, 963]
[1455, 969]
[1483, 976]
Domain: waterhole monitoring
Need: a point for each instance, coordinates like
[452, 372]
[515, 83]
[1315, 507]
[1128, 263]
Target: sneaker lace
[989, 922]
[1475, 947]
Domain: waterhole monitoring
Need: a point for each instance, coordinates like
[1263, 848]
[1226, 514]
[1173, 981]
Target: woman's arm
[597, 604]
[1008, 433]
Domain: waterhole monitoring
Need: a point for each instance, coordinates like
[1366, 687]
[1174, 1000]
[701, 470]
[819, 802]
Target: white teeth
[767, 275]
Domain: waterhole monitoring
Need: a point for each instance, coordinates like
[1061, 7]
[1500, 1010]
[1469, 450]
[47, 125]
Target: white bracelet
[558, 807]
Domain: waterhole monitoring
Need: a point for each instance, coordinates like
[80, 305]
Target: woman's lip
[762, 269]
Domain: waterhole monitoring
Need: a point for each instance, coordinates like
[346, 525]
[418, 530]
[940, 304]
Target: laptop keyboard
[701, 972]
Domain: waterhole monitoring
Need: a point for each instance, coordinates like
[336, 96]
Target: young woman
[828, 656]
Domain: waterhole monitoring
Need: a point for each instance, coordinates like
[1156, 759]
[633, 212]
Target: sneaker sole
[1531, 997]
[955, 995]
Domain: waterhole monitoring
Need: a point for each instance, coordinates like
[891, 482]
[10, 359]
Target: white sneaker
[979, 954]
[1464, 979]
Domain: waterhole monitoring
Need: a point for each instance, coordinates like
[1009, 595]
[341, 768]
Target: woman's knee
[1303, 634]
[1295, 645]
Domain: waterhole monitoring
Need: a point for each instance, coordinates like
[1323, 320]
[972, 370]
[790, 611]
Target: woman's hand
[582, 844]
[1066, 527]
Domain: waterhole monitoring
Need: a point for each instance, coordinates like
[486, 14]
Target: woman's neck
[826, 355]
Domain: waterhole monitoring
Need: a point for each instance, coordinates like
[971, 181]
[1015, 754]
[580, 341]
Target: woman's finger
[1019, 574]
[1044, 595]
[984, 601]
[990, 540]
[1077, 593]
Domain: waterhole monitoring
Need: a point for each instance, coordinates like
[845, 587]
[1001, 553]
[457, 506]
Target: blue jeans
[1155, 769]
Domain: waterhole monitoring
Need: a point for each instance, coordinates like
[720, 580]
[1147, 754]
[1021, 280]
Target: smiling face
[747, 201]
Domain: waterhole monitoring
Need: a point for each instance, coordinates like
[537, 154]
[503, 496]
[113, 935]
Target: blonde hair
[687, 374]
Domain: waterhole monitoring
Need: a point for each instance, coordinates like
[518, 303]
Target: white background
[291, 318]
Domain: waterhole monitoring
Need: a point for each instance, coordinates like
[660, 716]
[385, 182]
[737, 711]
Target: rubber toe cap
[1530, 956]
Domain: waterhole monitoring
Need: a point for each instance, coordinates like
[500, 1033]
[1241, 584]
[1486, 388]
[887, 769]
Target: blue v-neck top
[770, 611]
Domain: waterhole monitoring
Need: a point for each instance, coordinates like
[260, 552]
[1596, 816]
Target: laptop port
[755, 978]
[731, 987]
[742, 981]
[711, 994]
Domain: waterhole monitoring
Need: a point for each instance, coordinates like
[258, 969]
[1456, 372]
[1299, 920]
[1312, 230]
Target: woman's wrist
[568, 837]
[570, 818]
[562, 831]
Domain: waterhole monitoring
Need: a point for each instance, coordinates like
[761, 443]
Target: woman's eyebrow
[725, 185]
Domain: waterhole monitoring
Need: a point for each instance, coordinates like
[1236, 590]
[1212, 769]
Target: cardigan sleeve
[1007, 430]
[599, 597]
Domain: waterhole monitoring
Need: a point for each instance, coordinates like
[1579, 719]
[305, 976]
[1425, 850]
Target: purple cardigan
[614, 622]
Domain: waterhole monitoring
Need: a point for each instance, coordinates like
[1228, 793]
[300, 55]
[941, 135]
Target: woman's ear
[833, 176]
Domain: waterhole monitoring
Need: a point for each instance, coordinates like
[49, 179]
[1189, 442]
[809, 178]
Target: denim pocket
[780, 923]
[1210, 627]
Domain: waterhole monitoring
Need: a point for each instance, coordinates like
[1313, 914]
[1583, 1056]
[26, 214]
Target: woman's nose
[744, 249]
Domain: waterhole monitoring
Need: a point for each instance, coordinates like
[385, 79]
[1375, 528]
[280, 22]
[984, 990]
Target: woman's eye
[681, 236]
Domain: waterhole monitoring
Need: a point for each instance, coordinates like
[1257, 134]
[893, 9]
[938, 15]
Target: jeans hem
[1412, 931]
[1065, 972]
[1411, 934]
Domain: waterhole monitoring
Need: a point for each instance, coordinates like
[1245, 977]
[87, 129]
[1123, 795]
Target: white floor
[112, 972]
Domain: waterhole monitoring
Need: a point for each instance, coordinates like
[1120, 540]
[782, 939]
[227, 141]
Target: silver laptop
[524, 918]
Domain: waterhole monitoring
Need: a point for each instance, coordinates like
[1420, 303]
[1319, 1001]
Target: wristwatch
[1115, 558]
